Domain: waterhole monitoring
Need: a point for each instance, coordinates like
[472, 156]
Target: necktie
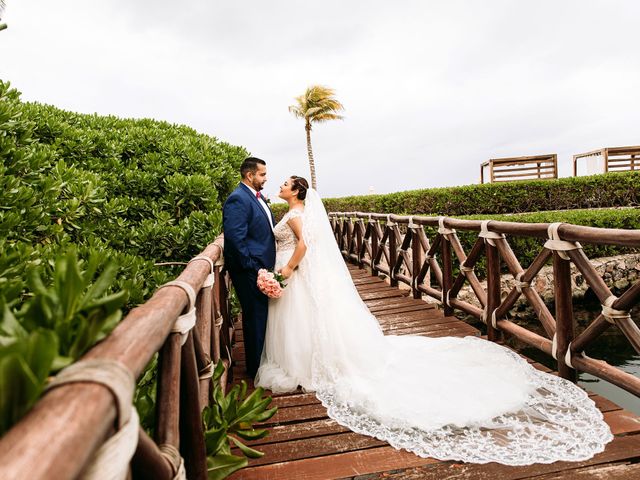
[258, 195]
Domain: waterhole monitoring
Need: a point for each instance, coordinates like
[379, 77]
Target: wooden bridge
[305, 444]
[425, 257]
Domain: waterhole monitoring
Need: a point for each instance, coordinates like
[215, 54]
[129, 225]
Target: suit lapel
[253, 197]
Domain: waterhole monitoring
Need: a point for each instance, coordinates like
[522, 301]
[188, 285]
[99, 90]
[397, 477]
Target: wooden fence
[520, 168]
[399, 247]
[59, 436]
[611, 159]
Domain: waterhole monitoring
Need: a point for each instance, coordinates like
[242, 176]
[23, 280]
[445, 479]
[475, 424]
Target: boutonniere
[266, 199]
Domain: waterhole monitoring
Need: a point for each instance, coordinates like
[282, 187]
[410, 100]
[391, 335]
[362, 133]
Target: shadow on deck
[304, 443]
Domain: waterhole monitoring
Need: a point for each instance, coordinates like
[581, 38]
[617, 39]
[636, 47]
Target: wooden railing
[399, 248]
[520, 168]
[58, 437]
[611, 159]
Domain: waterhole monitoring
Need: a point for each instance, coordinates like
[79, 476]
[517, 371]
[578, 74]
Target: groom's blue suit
[249, 245]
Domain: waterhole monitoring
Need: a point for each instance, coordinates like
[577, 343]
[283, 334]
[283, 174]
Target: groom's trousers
[255, 305]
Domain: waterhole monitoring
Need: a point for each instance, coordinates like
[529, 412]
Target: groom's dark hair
[250, 164]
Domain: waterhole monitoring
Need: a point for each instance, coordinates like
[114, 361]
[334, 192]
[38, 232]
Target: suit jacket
[249, 243]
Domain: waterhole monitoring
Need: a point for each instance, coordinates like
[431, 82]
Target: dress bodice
[285, 238]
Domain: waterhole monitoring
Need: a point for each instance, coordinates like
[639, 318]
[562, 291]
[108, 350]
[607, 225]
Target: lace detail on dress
[285, 238]
[558, 422]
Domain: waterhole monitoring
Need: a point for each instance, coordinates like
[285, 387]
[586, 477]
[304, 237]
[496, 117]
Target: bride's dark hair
[300, 185]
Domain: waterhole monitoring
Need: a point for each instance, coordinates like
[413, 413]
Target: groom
[249, 245]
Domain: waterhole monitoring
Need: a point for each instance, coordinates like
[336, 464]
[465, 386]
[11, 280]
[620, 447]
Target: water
[612, 346]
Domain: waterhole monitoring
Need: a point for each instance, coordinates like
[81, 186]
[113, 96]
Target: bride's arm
[300, 250]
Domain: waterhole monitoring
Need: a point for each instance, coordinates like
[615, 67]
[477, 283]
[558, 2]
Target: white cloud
[431, 88]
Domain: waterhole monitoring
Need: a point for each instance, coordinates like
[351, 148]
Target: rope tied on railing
[444, 231]
[558, 245]
[488, 235]
[485, 314]
[567, 357]
[464, 268]
[411, 224]
[610, 314]
[210, 280]
[206, 372]
[390, 223]
[520, 284]
[176, 461]
[447, 299]
[111, 460]
[187, 321]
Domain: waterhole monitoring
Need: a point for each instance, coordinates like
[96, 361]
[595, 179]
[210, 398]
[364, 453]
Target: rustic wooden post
[493, 289]
[341, 228]
[564, 313]
[359, 226]
[204, 314]
[374, 246]
[168, 399]
[148, 463]
[216, 313]
[417, 260]
[224, 337]
[447, 273]
[605, 159]
[192, 446]
[393, 252]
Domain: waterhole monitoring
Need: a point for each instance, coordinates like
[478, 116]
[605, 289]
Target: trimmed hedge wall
[608, 190]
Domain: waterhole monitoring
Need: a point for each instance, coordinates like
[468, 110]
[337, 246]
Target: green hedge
[88, 204]
[526, 249]
[609, 190]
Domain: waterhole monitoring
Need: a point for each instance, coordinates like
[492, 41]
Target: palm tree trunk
[312, 165]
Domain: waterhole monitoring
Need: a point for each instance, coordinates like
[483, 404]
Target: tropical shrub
[88, 205]
[228, 421]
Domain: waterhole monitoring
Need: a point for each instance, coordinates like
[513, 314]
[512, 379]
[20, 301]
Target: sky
[431, 89]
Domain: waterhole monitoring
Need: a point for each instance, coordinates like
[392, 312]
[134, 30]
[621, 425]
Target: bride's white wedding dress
[463, 399]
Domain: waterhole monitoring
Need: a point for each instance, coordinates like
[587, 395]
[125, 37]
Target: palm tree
[316, 105]
[2, 5]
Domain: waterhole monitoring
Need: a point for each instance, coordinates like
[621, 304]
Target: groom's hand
[286, 271]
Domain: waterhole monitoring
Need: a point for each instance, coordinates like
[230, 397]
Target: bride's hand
[286, 271]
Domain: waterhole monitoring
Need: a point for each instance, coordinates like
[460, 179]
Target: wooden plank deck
[304, 443]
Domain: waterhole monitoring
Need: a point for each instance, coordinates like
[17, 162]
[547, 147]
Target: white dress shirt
[260, 200]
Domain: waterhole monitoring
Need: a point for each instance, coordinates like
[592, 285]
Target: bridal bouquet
[270, 283]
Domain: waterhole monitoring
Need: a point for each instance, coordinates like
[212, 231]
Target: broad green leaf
[248, 451]
[221, 466]
[252, 434]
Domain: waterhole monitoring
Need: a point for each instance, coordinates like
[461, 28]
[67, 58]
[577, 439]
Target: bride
[464, 399]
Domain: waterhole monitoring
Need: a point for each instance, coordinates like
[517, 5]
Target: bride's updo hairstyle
[300, 185]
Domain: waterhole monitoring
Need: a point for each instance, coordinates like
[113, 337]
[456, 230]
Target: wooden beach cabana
[519, 168]
[610, 159]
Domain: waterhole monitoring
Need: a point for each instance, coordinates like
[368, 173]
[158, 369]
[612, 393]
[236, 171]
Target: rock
[621, 284]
